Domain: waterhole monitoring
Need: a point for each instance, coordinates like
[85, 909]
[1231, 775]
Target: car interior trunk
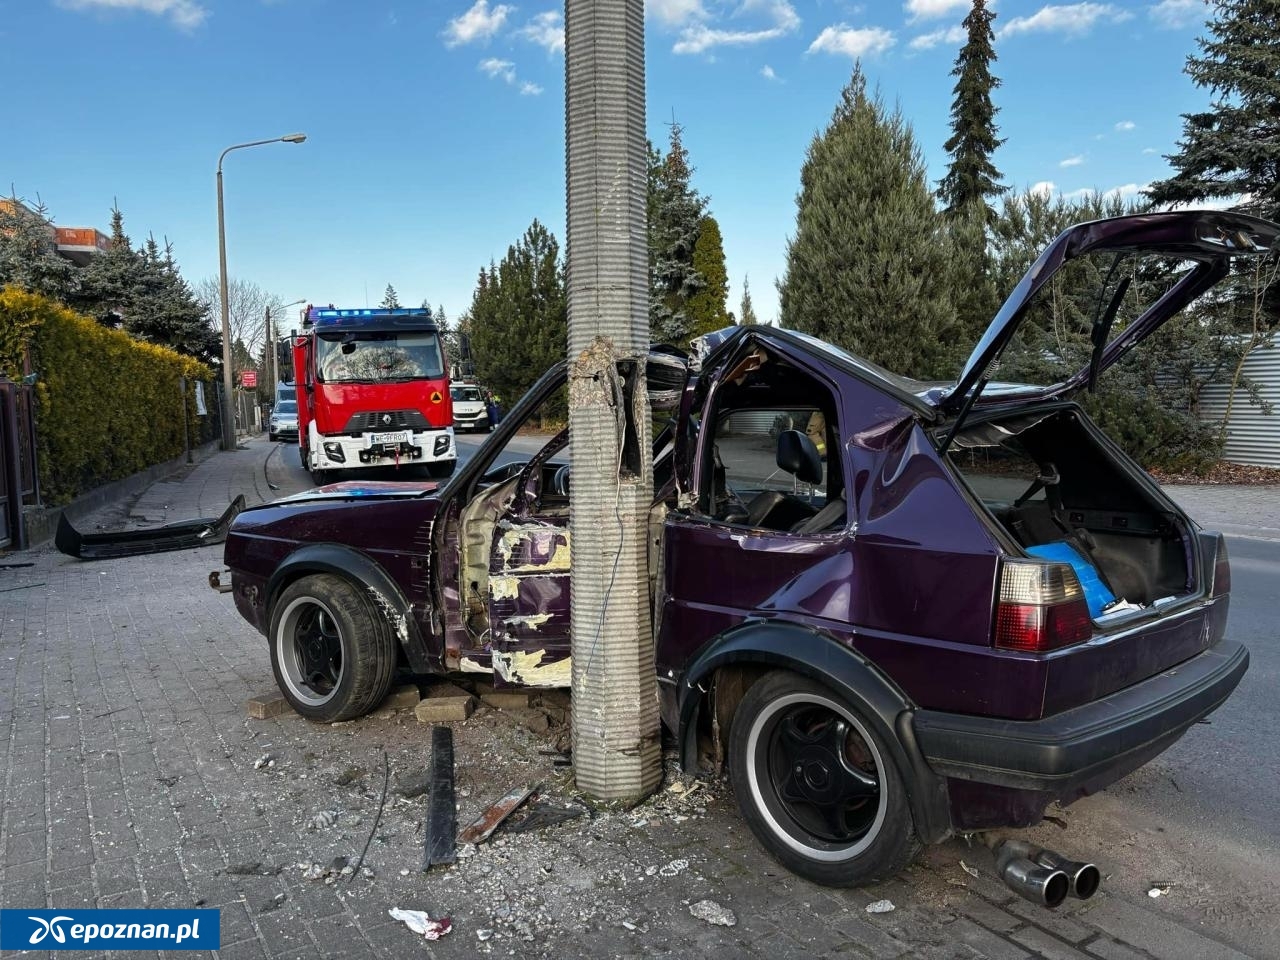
[1056, 489]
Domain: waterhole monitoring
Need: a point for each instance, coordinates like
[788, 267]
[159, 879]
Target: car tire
[817, 784]
[272, 437]
[332, 651]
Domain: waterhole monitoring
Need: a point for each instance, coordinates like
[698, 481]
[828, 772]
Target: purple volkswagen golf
[896, 610]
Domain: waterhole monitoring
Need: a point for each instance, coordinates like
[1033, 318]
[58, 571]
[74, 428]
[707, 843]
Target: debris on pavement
[1159, 890]
[323, 820]
[713, 913]
[349, 776]
[266, 760]
[542, 814]
[971, 871]
[493, 815]
[881, 906]
[675, 867]
[337, 867]
[419, 922]
[442, 815]
[182, 535]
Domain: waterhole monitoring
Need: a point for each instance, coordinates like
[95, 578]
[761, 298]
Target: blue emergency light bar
[369, 318]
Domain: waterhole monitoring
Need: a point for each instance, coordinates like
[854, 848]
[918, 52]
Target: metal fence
[1253, 435]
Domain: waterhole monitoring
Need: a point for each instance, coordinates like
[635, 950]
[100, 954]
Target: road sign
[249, 379]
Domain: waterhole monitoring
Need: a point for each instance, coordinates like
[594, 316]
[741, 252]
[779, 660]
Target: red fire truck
[373, 391]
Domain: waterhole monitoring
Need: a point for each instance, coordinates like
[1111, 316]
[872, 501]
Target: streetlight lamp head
[294, 138]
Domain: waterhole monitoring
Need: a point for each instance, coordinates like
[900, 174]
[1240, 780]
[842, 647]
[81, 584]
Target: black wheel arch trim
[820, 657]
[1079, 746]
[362, 570]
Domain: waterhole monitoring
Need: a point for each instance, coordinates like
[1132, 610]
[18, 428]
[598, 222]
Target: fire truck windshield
[353, 357]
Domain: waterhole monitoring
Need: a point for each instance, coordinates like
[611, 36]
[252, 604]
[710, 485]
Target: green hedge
[107, 405]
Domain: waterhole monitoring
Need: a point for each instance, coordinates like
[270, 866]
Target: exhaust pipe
[1085, 877]
[1030, 880]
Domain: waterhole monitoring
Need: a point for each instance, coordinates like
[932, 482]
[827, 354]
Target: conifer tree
[747, 311]
[675, 213]
[707, 308]
[971, 176]
[518, 321]
[1233, 148]
[866, 268]
[390, 300]
[112, 281]
[28, 256]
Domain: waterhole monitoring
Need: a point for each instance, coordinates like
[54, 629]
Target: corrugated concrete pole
[616, 748]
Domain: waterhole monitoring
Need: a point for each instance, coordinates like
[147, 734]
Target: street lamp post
[271, 339]
[228, 414]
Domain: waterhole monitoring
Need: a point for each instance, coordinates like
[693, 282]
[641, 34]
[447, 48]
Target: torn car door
[529, 578]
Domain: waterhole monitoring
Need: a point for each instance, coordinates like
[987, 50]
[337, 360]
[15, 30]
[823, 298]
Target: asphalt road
[1203, 819]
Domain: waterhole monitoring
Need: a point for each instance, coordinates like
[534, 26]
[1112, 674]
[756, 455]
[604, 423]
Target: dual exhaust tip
[1042, 876]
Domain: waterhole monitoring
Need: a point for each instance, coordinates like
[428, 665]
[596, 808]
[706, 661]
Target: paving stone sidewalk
[132, 777]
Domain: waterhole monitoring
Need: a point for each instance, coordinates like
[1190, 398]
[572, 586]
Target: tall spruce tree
[28, 257]
[390, 299]
[675, 213]
[747, 311]
[1232, 150]
[112, 282]
[866, 268]
[971, 176]
[518, 321]
[708, 307]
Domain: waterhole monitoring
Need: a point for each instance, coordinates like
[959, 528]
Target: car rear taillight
[1041, 607]
[1221, 570]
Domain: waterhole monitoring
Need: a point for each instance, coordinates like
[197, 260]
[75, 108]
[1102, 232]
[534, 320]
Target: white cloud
[546, 30]
[1074, 19]
[927, 41]
[850, 42]
[698, 37]
[675, 13]
[478, 23]
[1072, 161]
[767, 72]
[1125, 191]
[499, 69]
[1150, 150]
[184, 14]
[1124, 126]
[929, 9]
[1044, 188]
[1175, 14]
[529, 89]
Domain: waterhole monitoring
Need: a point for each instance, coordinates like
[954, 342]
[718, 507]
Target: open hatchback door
[1144, 269]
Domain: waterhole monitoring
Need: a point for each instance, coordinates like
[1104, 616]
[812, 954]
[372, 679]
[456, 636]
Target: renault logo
[386, 419]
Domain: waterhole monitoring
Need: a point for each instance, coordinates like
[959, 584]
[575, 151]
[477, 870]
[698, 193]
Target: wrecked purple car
[899, 610]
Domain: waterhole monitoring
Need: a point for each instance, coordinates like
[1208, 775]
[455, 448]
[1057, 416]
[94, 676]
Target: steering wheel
[560, 482]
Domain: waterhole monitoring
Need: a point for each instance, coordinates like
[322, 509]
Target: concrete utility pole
[616, 748]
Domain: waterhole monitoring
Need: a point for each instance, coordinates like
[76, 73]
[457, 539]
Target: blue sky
[435, 128]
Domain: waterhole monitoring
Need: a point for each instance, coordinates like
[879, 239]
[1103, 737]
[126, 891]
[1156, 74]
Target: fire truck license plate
[400, 436]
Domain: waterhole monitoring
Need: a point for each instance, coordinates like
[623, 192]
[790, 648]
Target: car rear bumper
[1087, 747]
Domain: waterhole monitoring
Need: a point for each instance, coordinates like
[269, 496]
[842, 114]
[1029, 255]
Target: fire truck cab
[373, 391]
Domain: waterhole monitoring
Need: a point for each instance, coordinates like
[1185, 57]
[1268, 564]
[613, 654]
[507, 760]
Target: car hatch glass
[1087, 305]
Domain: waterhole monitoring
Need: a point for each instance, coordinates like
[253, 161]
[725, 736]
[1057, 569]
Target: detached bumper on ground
[1090, 746]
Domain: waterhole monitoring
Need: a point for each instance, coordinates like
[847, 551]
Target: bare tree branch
[247, 305]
